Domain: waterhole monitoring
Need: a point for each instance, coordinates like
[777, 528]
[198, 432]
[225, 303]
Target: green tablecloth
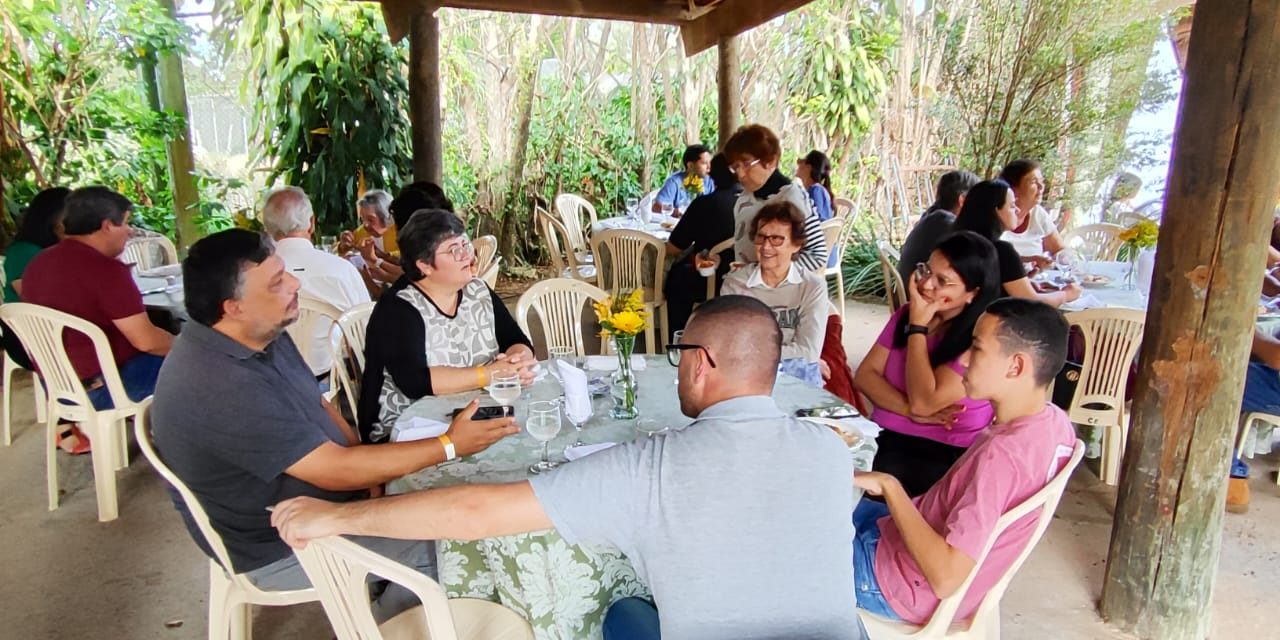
[562, 589]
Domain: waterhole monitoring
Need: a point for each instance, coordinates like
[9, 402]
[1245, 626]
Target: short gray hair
[379, 201]
[286, 210]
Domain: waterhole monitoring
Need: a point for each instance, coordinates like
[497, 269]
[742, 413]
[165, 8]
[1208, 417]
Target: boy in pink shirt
[908, 554]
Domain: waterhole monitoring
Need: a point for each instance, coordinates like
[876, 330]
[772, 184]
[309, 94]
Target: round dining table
[657, 225]
[563, 590]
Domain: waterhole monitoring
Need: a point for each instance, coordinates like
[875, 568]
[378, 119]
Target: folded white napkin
[1086, 301]
[610, 363]
[867, 428]
[409, 428]
[574, 453]
[577, 394]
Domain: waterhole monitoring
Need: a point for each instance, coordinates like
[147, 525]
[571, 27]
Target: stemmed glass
[557, 355]
[543, 425]
[578, 416]
[504, 388]
[1068, 263]
[632, 204]
[676, 338]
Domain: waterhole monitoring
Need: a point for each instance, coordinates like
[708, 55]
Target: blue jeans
[138, 374]
[631, 619]
[866, 537]
[1261, 389]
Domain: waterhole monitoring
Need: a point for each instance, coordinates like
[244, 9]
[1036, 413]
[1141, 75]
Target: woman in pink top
[913, 374]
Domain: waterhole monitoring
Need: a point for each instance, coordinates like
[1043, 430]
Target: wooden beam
[398, 14]
[424, 95]
[731, 19]
[729, 84]
[1218, 209]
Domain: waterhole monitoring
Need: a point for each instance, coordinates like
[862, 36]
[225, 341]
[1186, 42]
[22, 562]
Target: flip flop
[81, 446]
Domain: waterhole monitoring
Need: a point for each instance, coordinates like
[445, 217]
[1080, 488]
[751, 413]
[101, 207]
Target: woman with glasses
[989, 210]
[914, 372]
[753, 153]
[437, 330]
[797, 295]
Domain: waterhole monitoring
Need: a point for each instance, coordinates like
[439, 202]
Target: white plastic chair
[559, 303]
[231, 595]
[348, 352]
[842, 207]
[490, 275]
[720, 248]
[340, 569]
[985, 622]
[895, 291]
[142, 252]
[313, 313]
[1111, 341]
[1099, 241]
[572, 209]
[626, 249]
[1250, 420]
[836, 232]
[41, 331]
[42, 409]
[563, 260]
[486, 253]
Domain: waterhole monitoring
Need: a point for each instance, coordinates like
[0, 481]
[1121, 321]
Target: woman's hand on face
[920, 311]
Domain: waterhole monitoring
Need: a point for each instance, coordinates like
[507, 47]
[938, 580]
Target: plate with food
[1095, 281]
[669, 224]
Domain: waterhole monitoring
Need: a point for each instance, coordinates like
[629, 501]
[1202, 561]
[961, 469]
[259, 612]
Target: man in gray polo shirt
[738, 523]
[239, 419]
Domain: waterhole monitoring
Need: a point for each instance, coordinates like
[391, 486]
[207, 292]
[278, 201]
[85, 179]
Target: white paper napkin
[577, 394]
[610, 363]
[1086, 301]
[574, 453]
[409, 428]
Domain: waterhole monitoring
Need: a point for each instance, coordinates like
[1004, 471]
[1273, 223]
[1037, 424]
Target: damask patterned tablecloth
[563, 589]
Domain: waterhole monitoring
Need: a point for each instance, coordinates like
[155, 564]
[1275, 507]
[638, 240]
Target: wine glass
[557, 355]
[328, 244]
[632, 204]
[504, 388]
[1067, 261]
[667, 210]
[543, 424]
[578, 416]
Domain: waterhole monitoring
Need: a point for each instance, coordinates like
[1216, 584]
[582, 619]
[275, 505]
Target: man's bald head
[743, 336]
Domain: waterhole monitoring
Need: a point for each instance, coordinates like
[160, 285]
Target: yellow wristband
[449, 452]
[481, 379]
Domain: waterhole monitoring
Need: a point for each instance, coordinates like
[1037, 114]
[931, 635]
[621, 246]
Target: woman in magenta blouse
[913, 374]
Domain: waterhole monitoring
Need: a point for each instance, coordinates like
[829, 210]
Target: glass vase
[623, 387]
[1131, 278]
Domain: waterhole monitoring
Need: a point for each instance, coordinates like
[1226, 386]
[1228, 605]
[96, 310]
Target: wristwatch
[912, 329]
[449, 452]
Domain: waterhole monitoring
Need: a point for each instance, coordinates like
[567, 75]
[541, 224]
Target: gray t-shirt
[739, 523]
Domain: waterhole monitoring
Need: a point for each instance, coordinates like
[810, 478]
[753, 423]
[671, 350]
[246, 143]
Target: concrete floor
[140, 577]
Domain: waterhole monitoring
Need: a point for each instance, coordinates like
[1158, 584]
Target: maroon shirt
[75, 278]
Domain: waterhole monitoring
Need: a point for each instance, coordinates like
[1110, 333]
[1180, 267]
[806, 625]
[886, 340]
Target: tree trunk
[424, 94]
[173, 98]
[1222, 183]
[729, 83]
[529, 63]
[642, 99]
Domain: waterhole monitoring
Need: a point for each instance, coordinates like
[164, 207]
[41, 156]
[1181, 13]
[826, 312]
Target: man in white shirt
[287, 216]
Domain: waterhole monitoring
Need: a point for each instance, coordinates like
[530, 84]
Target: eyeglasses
[462, 251]
[674, 350]
[739, 167]
[924, 272]
[774, 241]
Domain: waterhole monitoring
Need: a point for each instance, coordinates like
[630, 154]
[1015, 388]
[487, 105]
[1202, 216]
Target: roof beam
[731, 19]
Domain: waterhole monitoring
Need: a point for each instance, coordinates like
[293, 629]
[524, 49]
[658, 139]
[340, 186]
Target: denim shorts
[866, 539]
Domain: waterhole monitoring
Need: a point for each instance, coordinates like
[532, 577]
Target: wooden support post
[182, 165]
[424, 94]
[1217, 219]
[729, 79]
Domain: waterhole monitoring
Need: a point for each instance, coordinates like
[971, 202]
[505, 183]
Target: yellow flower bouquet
[693, 185]
[1142, 235]
[623, 317]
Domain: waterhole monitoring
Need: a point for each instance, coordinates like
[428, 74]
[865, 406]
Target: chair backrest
[1099, 241]
[623, 269]
[350, 350]
[1111, 340]
[149, 252]
[836, 233]
[311, 312]
[842, 207]
[142, 432]
[490, 275]
[42, 331]
[1046, 500]
[486, 252]
[339, 569]
[723, 246]
[895, 290]
[559, 303]
[563, 259]
[572, 209]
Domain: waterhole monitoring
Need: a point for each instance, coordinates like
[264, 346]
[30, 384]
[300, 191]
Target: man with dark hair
[909, 554]
[239, 419]
[935, 224]
[728, 551]
[82, 276]
[683, 186]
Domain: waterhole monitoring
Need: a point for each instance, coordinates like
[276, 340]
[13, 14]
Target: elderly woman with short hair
[437, 330]
[377, 238]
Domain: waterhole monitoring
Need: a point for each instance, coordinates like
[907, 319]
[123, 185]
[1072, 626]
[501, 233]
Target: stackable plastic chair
[1250, 424]
[720, 248]
[895, 290]
[41, 331]
[231, 595]
[842, 208]
[348, 353]
[836, 232]
[1101, 241]
[149, 252]
[985, 622]
[1111, 341]
[564, 260]
[486, 252]
[626, 249]
[559, 303]
[312, 313]
[340, 569]
[573, 210]
[42, 409]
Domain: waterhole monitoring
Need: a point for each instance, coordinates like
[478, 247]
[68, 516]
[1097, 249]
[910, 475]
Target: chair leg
[104, 467]
[1112, 449]
[1246, 424]
[219, 604]
[42, 403]
[51, 463]
[8, 386]
[120, 432]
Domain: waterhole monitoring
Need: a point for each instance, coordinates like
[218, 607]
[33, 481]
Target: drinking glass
[328, 243]
[504, 388]
[632, 204]
[577, 418]
[543, 424]
[1068, 263]
[667, 210]
[559, 354]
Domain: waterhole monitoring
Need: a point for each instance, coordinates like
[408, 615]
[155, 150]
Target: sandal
[74, 442]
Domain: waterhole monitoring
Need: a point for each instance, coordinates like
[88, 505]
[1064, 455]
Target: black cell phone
[488, 413]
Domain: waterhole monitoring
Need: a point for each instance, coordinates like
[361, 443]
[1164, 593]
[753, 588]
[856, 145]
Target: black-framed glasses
[674, 351]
